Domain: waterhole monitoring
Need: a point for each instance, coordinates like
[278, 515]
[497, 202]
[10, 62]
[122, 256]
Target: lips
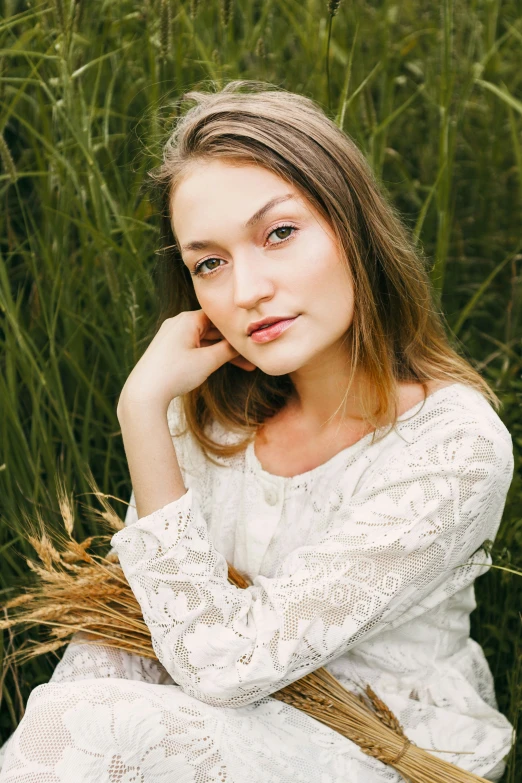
[267, 322]
[272, 330]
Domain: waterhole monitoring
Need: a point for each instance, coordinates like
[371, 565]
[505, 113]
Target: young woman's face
[257, 248]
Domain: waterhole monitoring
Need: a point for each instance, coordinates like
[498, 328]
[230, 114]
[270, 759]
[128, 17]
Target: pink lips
[272, 331]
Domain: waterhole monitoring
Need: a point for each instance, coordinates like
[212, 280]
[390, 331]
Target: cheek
[324, 272]
[216, 310]
[341, 298]
[207, 303]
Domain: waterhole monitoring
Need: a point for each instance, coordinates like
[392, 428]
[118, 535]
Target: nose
[252, 284]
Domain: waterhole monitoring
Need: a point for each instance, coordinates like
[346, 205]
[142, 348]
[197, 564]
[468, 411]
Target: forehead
[214, 191]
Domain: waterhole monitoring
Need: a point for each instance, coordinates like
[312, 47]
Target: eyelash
[198, 266]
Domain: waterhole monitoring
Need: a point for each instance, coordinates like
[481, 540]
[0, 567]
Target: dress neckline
[258, 469]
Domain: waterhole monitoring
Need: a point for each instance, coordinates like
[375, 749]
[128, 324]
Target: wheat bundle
[78, 590]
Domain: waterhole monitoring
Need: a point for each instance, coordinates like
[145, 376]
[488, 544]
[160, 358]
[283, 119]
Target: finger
[203, 322]
[211, 340]
[222, 352]
[205, 319]
[212, 332]
[243, 363]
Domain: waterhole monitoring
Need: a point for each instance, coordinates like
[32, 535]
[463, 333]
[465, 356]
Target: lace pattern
[364, 565]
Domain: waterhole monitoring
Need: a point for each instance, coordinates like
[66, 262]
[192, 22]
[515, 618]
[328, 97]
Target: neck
[320, 396]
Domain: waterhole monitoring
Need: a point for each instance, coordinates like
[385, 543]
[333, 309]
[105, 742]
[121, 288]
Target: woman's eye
[282, 229]
[209, 262]
[197, 269]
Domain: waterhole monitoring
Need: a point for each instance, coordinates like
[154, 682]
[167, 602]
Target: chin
[281, 367]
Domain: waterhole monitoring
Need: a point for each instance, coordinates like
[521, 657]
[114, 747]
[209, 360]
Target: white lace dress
[364, 565]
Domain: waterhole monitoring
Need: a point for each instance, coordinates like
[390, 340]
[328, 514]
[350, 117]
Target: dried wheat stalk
[80, 591]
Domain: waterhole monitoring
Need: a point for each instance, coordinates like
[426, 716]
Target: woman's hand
[183, 353]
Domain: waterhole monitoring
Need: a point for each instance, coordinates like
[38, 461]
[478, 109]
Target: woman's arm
[407, 530]
[183, 353]
[153, 466]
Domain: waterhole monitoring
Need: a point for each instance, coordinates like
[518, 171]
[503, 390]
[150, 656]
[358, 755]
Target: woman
[345, 458]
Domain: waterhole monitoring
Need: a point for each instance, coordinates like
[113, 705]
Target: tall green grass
[431, 92]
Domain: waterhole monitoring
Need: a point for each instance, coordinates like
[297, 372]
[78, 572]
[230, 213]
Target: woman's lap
[87, 661]
[111, 717]
[120, 730]
[117, 729]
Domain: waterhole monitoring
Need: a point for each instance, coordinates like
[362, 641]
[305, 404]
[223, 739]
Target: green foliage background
[431, 92]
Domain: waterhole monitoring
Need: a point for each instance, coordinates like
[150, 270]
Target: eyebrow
[202, 244]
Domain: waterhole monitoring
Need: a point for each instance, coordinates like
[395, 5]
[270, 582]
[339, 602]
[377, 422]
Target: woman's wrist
[134, 402]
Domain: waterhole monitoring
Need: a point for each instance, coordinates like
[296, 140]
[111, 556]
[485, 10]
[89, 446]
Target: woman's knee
[87, 661]
[80, 730]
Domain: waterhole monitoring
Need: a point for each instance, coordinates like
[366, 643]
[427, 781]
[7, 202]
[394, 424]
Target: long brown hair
[397, 333]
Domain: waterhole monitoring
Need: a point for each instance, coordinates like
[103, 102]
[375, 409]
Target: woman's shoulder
[455, 406]
[179, 429]
[176, 417]
[455, 439]
[190, 454]
[188, 451]
[455, 429]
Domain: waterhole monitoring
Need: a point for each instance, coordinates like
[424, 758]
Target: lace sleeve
[426, 511]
